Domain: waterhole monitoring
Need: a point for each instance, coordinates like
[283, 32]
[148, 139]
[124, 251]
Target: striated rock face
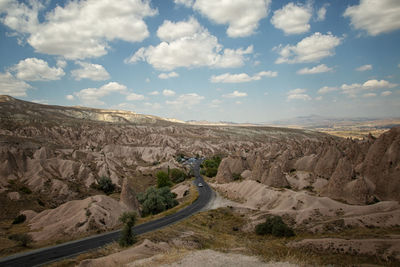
[128, 197]
[229, 166]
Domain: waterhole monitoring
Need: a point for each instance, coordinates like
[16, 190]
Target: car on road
[200, 185]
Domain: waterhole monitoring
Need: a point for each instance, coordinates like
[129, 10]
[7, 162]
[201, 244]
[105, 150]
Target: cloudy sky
[216, 60]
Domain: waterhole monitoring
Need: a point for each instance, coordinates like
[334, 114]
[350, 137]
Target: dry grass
[216, 229]
[355, 134]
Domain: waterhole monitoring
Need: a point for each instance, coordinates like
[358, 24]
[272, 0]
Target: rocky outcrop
[128, 197]
[275, 178]
[76, 217]
[232, 165]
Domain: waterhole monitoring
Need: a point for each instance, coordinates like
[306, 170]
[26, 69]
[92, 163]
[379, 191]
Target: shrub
[156, 200]
[22, 239]
[105, 184]
[211, 166]
[19, 219]
[236, 176]
[25, 190]
[178, 176]
[127, 237]
[163, 179]
[274, 226]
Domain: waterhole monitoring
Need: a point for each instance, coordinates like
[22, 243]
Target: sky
[216, 60]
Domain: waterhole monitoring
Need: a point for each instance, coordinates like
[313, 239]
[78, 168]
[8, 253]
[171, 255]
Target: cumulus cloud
[33, 69]
[168, 75]
[235, 94]
[364, 68]
[188, 44]
[352, 90]
[298, 94]
[386, 93]
[375, 16]
[310, 49]
[317, 69]
[79, 29]
[90, 71]
[167, 92]
[187, 3]
[9, 85]
[292, 18]
[369, 95]
[186, 100]
[321, 13]
[70, 97]
[241, 77]
[91, 96]
[241, 16]
[154, 93]
[327, 89]
[134, 97]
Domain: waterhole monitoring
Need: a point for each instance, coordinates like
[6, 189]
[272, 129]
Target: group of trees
[104, 184]
[209, 167]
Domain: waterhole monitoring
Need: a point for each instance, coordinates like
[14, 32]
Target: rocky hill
[51, 155]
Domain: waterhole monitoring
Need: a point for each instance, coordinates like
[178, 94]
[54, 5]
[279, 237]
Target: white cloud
[375, 84]
[168, 75]
[327, 89]
[352, 90]
[187, 3]
[386, 93]
[292, 18]
[33, 69]
[90, 71]
[91, 96]
[154, 93]
[215, 103]
[317, 69]
[70, 97]
[235, 94]
[375, 16]
[298, 94]
[242, 16]
[153, 106]
[310, 49]
[147, 80]
[167, 92]
[61, 63]
[369, 95]
[364, 68]
[188, 44]
[134, 97]
[318, 98]
[241, 77]
[186, 100]
[79, 29]
[9, 85]
[321, 13]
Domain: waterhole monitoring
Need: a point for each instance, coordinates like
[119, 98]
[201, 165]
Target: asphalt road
[47, 255]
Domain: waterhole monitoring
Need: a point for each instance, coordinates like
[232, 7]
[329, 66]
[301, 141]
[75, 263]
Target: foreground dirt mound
[385, 248]
[144, 250]
[76, 217]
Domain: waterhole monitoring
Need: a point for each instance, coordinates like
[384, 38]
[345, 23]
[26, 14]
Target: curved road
[50, 254]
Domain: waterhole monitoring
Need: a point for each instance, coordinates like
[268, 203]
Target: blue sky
[238, 60]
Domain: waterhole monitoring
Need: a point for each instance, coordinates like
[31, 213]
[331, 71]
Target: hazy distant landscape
[199, 133]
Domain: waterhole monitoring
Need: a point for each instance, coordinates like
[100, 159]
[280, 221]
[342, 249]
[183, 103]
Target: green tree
[127, 237]
[23, 239]
[178, 176]
[274, 226]
[163, 179]
[106, 185]
[210, 166]
[156, 200]
[19, 219]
